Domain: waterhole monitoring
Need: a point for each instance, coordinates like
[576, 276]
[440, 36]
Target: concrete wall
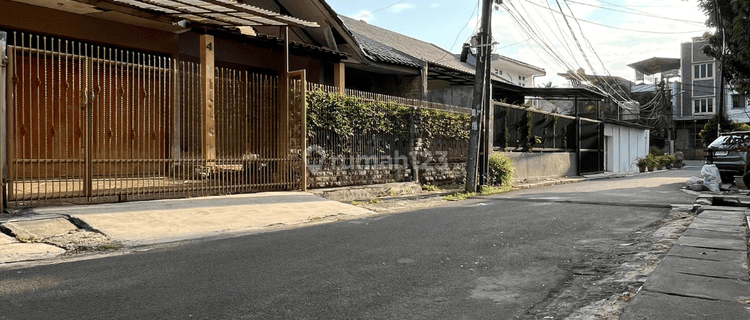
[539, 166]
[622, 146]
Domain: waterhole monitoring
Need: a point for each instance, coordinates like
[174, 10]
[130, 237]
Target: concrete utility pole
[476, 111]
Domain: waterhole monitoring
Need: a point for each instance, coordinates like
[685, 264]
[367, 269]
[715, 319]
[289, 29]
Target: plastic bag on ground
[711, 177]
[695, 184]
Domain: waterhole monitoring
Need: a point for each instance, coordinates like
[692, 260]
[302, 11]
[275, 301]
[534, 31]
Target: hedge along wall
[362, 138]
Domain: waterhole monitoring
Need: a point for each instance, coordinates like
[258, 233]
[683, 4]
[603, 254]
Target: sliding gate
[93, 124]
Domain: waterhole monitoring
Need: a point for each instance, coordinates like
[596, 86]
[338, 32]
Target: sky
[600, 36]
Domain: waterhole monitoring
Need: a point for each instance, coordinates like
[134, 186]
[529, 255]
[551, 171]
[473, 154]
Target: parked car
[729, 153]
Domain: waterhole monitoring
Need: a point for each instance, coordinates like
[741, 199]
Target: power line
[618, 28]
[638, 12]
[459, 33]
[383, 8]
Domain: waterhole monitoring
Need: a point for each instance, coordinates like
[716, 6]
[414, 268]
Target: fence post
[414, 144]
[208, 118]
[176, 150]
[578, 137]
[3, 118]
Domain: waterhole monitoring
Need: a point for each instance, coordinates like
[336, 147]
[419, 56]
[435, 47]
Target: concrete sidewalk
[704, 275]
[150, 222]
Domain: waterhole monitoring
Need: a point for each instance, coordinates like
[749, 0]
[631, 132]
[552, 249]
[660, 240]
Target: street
[527, 254]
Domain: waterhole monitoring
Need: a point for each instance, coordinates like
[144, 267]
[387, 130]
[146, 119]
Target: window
[705, 70]
[703, 106]
[738, 101]
[519, 77]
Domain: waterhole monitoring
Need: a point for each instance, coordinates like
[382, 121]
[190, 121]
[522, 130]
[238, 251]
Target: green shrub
[501, 171]
[458, 196]
[490, 190]
[651, 160]
[665, 159]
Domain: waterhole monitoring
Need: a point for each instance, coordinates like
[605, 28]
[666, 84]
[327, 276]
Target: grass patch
[108, 247]
[429, 187]
[458, 196]
[490, 190]
[356, 203]
[374, 201]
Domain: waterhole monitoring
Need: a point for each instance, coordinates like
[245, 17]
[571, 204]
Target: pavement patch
[723, 269]
[39, 229]
[708, 254]
[4, 239]
[711, 234]
[716, 222]
[665, 281]
[15, 252]
[17, 286]
[651, 305]
[725, 244]
[707, 225]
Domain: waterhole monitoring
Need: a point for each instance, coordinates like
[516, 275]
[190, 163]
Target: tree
[547, 85]
[709, 134]
[730, 18]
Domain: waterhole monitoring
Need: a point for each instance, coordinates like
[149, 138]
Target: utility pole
[720, 107]
[483, 48]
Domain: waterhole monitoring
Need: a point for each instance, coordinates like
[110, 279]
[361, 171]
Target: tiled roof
[379, 52]
[402, 44]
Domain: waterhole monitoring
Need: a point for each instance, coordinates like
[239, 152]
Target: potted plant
[651, 162]
[660, 162]
[641, 163]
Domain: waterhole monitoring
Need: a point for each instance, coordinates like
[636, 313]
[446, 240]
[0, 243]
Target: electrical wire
[618, 28]
[462, 30]
[638, 12]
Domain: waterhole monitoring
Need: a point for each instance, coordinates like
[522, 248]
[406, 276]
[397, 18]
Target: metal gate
[88, 124]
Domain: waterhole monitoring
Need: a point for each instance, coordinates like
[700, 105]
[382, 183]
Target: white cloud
[364, 15]
[398, 8]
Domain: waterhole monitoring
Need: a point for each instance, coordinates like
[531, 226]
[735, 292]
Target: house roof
[218, 12]
[400, 43]
[380, 52]
[383, 45]
[520, 63]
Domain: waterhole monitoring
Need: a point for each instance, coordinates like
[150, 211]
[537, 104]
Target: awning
[225, 13]
[655, 65]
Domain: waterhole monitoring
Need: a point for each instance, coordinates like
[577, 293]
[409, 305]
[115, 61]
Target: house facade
[514, 71]
[700, 98]
[137, 99]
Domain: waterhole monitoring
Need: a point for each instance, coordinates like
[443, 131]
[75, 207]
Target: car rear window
[730, 142]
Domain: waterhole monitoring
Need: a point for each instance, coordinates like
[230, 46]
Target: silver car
[729, 153]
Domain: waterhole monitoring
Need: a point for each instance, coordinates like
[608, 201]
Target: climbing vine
[348, 116]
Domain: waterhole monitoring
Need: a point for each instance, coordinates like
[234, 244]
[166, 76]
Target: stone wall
[433, 173]
[443, 174]
[330, 176]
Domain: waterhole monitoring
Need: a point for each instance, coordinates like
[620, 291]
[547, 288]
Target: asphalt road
[492, 258]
